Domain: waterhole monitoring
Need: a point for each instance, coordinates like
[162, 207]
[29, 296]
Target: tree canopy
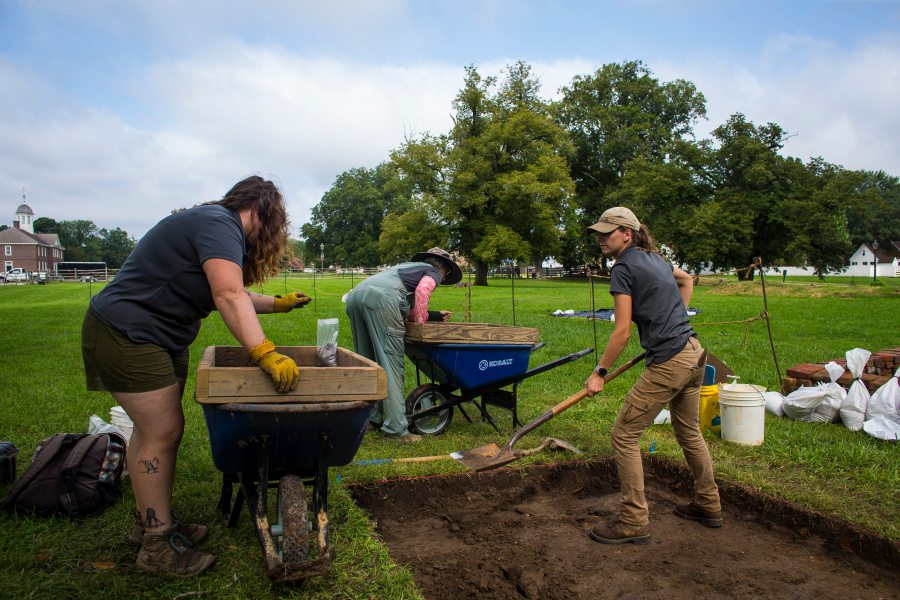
[518, 177]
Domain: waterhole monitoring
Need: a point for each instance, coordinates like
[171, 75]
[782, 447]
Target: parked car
[40, 278]
[88, 279]
[18, 274]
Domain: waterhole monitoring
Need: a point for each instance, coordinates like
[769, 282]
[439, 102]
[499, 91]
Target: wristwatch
[601, 371]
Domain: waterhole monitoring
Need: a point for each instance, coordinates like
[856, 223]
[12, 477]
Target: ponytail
[643, 239]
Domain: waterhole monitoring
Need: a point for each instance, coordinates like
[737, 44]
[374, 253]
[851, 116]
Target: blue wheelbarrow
[261, 439]
[469, 372]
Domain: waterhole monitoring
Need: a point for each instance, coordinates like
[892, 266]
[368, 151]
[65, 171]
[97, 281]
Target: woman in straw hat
[654, 294]
[378, 308]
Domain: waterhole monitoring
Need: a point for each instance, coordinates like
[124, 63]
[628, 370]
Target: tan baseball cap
[615, 217]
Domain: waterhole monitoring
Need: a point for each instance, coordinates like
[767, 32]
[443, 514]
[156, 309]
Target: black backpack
[75, 474]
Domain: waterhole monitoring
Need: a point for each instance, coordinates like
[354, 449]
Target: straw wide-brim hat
[454, 274]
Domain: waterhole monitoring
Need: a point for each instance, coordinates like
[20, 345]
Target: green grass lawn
[824, 467]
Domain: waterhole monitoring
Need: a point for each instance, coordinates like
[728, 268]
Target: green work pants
[377, 308]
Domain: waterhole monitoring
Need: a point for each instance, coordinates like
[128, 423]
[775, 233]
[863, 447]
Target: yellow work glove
[282, 369]
[288, 302]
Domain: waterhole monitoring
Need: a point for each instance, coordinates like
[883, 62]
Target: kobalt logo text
[486, 364]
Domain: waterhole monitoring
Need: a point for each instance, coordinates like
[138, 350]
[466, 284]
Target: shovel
[492, 456]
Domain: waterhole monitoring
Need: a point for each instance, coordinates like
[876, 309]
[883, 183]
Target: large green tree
[348, 219]
[619, 114]
[45, 225]
[510, 187]
[114, 245]
[79, 238]
[740, 221]
[873, 213]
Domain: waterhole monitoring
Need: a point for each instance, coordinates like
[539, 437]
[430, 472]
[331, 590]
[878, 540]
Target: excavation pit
[523, 533]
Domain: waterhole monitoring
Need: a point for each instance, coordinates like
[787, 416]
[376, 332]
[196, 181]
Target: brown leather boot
[617, 532]
[170, 553]
[194, 532]
[694, 513]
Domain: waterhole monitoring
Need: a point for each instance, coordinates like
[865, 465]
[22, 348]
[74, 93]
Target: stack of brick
[878, 371]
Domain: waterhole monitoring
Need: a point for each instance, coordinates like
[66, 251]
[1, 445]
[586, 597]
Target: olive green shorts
[114, 363]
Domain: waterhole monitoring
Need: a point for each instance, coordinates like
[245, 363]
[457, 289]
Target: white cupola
[25, 216]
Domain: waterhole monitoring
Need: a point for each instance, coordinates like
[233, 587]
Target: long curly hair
[264, 256]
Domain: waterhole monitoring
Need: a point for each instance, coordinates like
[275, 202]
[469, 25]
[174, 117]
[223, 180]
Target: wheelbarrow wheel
[426, 396]
[291, 509]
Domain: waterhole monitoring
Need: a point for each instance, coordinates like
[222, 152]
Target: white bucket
[743, 411]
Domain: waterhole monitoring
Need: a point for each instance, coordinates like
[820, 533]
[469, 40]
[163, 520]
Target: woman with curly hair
[137, 330]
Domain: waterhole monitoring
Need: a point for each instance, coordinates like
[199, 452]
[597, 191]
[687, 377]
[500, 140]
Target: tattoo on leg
[150, 466]
[152, 521]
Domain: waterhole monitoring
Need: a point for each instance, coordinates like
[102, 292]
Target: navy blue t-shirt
[656, 304]
[161, 293]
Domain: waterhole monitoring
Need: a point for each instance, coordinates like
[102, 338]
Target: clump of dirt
[523, 533]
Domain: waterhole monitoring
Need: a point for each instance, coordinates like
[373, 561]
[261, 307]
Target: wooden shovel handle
[579, 396]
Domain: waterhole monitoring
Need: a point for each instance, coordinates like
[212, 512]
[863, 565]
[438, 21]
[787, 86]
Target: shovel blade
[485, 458]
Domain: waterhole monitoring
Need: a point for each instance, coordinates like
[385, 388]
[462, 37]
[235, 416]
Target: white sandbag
[853, 411]
[774, 403]
[829, 409]
[883, 412]
[883, 429]
[801, 404]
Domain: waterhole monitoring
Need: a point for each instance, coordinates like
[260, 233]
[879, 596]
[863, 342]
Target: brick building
[21, 247]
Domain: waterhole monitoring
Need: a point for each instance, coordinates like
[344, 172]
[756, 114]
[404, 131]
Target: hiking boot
[170, 553]
[194, 532]
[373, 427]
[694, 513]
[617, 532]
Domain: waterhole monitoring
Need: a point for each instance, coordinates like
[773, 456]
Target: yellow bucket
[709, 409]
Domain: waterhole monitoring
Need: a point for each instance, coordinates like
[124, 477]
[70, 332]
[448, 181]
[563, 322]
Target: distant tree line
[519, 177]
[83, 241]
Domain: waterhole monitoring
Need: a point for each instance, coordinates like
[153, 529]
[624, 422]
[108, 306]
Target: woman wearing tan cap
[378, 308]
[654, 294]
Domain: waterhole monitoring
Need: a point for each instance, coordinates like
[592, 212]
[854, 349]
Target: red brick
[808, 371]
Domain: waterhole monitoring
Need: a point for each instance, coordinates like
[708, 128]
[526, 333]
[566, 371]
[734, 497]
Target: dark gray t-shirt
[656, 304]
[161, 292]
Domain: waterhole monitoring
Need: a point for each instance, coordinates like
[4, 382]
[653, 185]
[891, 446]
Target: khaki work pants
[676, 382]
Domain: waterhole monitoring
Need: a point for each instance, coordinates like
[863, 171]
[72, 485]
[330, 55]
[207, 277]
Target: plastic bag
[96, 425]
[663, 417]
[775, 403]
[327, 342]
[883, 411]
[801, 404]
[853, 410]
[829, 410]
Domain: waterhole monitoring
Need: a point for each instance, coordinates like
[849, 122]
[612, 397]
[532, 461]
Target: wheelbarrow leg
[320, 495]
[228, 511]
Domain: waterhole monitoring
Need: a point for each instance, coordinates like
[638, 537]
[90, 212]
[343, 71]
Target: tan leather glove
[282, 369]
[288, 302]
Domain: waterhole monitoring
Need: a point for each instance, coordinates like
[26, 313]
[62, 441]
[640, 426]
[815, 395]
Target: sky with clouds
[118, 111]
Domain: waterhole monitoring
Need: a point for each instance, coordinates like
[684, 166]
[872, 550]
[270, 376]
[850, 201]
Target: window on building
[853, 263]
[8, 250]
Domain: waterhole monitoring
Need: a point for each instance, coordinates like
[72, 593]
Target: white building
[863, 261]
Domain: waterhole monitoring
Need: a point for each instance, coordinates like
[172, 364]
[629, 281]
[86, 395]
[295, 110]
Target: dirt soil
[523, 533]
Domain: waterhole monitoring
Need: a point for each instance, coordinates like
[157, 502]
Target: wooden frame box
[439, 332]
[225, 374]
